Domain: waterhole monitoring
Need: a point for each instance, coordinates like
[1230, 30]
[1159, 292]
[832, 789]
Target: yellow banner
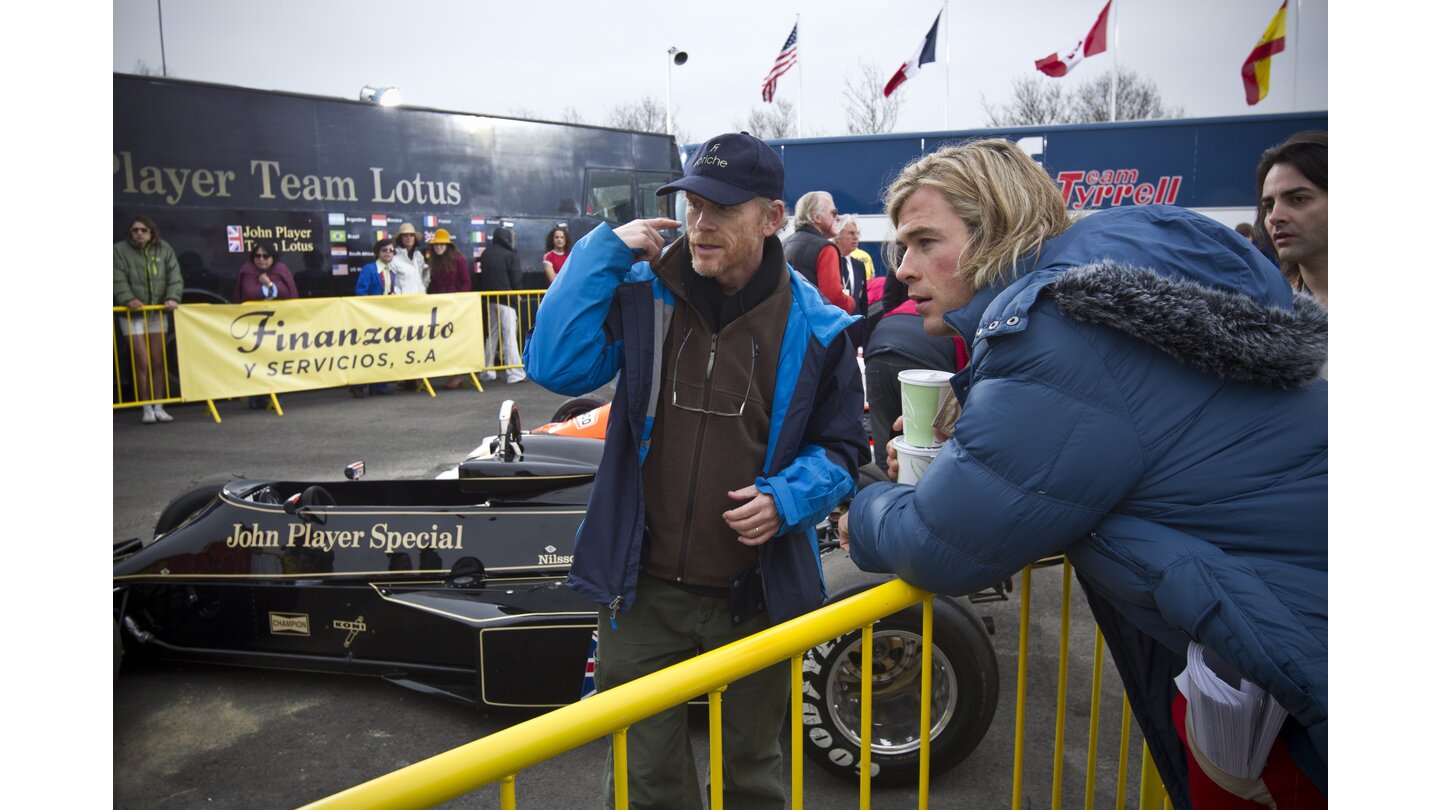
[257, 348]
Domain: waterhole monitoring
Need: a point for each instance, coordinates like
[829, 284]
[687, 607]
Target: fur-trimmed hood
[1177, 280]
[1215, 330]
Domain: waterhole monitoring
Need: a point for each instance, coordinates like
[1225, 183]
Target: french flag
[1064, 60]
[924, 55]
[432, 222]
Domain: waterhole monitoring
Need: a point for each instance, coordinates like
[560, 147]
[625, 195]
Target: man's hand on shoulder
[643, 236]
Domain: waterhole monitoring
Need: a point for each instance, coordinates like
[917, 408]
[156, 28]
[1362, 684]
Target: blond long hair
[1006, 199]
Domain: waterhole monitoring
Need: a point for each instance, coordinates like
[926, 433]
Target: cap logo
[715, 147]
[714, 161]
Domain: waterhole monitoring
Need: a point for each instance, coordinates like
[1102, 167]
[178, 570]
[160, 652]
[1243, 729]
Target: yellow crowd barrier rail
[148, 369]
[141, 357]
[503, 756]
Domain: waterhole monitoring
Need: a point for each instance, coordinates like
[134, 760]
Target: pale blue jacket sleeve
[571, 352]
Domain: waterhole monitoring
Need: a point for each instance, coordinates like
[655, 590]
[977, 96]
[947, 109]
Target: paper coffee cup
[913, 460]
[919, 399]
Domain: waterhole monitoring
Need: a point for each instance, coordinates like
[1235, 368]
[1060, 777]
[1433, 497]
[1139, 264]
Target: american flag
[789, 55]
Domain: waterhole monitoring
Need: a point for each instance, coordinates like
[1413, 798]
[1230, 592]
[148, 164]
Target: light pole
[674, 56]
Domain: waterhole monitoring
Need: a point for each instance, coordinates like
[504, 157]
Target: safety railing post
[1093, 748]
[1122, 770]
[622, 769]
[1017, 774]
[797, 733]
[927, 685]
[867, 665]
[507, 793]
[717, 758]
[1058, 768]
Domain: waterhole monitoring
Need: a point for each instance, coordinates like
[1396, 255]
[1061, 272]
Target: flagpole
[799, 82]
[1115, 73]
[1295, 63]
[946, 12]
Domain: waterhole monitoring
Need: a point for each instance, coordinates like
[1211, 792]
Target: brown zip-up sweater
[695, 458]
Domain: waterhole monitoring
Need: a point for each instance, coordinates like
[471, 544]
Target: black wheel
[184, 506]
[119, 648]
[964, 689]
[573, 407]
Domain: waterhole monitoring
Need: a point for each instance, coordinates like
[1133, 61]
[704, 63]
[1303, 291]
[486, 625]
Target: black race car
[456, 587]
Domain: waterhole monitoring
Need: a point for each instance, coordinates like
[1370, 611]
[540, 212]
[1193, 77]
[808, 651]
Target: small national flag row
[1255, 72]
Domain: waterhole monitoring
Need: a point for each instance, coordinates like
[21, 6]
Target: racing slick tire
[573, 407]
[184, 506]
[965, 687]
[119, 648]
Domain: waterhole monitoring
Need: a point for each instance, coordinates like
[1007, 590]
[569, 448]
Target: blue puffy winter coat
[1145, 398]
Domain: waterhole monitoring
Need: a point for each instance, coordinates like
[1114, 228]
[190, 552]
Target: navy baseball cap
[731, 169]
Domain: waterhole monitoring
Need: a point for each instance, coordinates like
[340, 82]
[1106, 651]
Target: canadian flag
[1059, 63]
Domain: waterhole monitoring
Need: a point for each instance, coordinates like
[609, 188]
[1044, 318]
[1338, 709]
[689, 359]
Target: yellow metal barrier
[508, 317]
[508, 752]
[144, 359]
[142, 350]
[503, 755]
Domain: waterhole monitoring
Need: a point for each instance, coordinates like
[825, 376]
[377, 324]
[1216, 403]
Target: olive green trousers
[665, 626]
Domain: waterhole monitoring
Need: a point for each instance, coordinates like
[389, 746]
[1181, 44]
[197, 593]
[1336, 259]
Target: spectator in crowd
[376, 278]
[500, 273]
[1293, 181]
[810, 251]
[1142, 395]
[852, 275]
[557, 249]
[899, 342]
[263, 278]
[147, 274]
[449, 273]
[712, 339]
[412, 274]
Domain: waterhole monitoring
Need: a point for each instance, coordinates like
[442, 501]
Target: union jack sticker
[588, 688]
[235, 238]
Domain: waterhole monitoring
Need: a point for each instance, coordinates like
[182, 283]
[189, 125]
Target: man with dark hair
[1292, 182]
[736, 427]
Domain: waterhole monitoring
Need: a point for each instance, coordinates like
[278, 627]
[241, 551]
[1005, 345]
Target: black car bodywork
[455, 587]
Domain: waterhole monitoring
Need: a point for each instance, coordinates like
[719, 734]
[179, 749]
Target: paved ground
[216, 737]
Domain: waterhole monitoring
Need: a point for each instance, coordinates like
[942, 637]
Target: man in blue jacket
[1143, 395]
[736, 427]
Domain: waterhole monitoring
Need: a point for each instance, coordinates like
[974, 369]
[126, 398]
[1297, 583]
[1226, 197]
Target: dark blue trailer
[1206, 164]
[219, 168]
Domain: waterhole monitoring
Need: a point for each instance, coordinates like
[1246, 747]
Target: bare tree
[1136, 99]
[521, 111]
[142, 68]
[1034, 101]
[1038, 100]
[776, 121]
[867, 110]
[570, 115]
[646, 115]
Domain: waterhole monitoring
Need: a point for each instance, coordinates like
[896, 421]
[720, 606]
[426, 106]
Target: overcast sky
[537, 59]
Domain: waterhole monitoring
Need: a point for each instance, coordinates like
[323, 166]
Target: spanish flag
[1256, 70]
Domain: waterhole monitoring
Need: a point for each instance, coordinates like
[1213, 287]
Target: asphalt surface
[217, 737]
